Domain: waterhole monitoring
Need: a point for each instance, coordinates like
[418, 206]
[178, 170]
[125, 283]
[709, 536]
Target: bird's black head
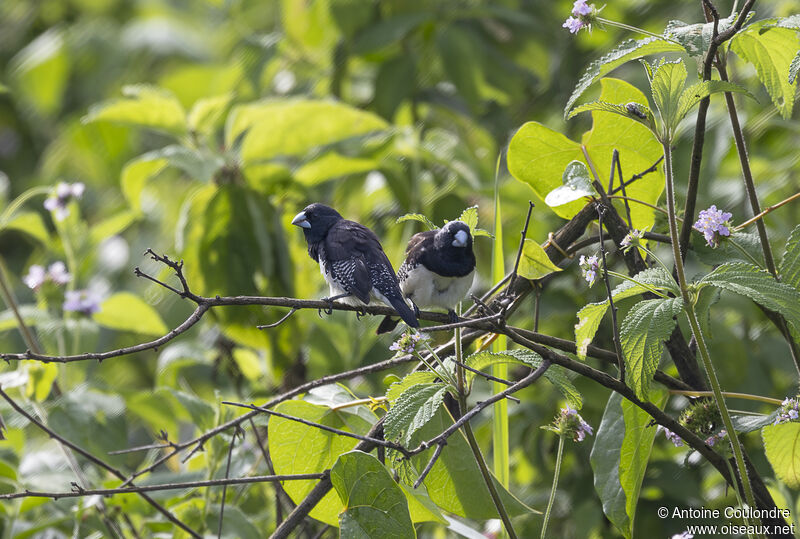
[454, 234]
[315, 220]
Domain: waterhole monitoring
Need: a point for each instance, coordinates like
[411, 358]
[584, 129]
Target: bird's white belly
[428, 289]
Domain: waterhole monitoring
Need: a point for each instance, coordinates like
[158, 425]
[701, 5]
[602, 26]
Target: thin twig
[522, 235]
[766, 211]
[431, 462]
[638, 176]
[227, 473]
[613, 308]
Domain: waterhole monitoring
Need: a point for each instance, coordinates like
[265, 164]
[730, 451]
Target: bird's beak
[301, 221]
[461, 239]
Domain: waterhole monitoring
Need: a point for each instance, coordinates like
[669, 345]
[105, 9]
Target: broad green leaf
[136, 174]
[411, 379]
[696, 38]
[374, 505]
[637, 146]
[417, 217]
[412, 410]
[250, 365]
[142, 106]
[207, 113]
[40, 71]
[293, 127]
[745, 423]
[625, 52]
[420, 506]
[111, 226]
[692, 95]
[642, 333]
[577, 184]
[31, 224]
[782, 447]
[298, 448]
[384, 33]
[726, 251]
[333, 165]
[127, 312]
[40, 380]
[455, 483]
[201, 413]
[619, 459]
[790, 264]
[753, 282]
[534, 262]
[394, 83]
[772, 53]
[554, 374]
[667, 87]
[590, 316]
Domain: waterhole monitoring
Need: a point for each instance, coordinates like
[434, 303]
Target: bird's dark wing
[419, 242]
[351, 248]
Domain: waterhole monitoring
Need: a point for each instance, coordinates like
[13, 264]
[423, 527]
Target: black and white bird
[351, 260]
[438, 269]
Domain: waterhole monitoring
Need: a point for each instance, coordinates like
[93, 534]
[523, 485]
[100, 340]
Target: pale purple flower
[83, 301]
[633, 238]
[713, 223]
[573, 25]
[58, 200]
[672, 437]
[569, 422]
[711, 440]
[788, 412]
[589, 268]
[406, 344]
[581, 8]
[37, 276]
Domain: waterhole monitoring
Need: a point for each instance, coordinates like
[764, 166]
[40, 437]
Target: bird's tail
[387, 324]
[404, 311]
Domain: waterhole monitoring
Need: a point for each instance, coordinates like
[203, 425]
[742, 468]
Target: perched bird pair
[437, 272]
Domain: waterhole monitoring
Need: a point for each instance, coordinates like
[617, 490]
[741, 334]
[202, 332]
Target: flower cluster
[672, 437]
[713, 223]
[86, 302]
[569, 423]
[37, 275]
[583, 15]
[590, 266]
[407, 343]
[711, 440]
[633, 239]
[788, 411]
[59, 199]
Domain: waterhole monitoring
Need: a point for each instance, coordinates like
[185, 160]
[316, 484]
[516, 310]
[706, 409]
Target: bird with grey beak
[351, 260]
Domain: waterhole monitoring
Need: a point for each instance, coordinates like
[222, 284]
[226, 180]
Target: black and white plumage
[351, 260]
[438, 270]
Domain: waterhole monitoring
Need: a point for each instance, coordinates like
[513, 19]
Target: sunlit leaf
[127, 312]
[782, 447]
[534, 262]
[142, 106]
[577, 184]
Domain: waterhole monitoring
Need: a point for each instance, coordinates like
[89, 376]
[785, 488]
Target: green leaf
[772, 53]
[633, 111]
[667, 87]
[374, 505]
[642, 333]
[625, 52]
[207, 113]
[250, 365]
[297, 448]
[455, 483]
[744, 423]
[790, 264]
[143, 106]
[619, 459]
[577, 184]
[127, 312]
[696, 38]
[111, 226]
[469, 217]
[753, 282]
[394, 83]
[534, 262]
[293, 127]
[590, 316]
[420, 505]
[201, 413]
[782, 447]
[384, 33]
[137, 173]
[40, 72]
[29, 223]
[333, 165]
[412, 410]
[411, 379]
[417, 217]
[794, 67]
[554, 374]
[692, 95]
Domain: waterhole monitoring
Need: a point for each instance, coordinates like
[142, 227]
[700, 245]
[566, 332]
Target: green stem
[745, 253]
[555, 484]
[12, 208]
[633, 29]
[701, 343]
